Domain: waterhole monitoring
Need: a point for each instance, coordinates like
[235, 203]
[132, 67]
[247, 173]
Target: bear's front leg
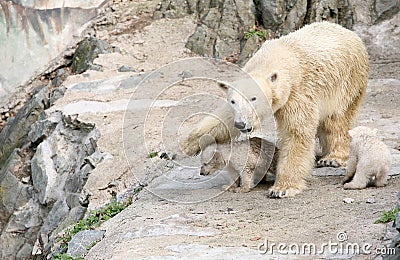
[220, 126]
[296, 159]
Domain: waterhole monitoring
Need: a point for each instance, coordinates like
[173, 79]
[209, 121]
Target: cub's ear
[223, 85]
[351, 133]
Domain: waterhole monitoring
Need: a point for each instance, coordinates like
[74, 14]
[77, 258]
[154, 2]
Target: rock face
[88, 50]
[377, 23]
[223, 23]
[42, 177]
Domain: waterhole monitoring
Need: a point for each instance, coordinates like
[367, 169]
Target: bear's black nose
[239, 125]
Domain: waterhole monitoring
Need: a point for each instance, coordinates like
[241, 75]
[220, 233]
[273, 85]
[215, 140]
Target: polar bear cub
[247, 161]
[369, 161]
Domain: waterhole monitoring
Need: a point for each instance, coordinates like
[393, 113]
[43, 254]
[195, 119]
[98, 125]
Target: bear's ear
[273, 77]
[223, 85]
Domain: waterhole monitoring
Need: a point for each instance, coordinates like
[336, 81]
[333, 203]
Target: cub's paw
[281, 192]
[241, 189]
[328, 162]
[230, 188]
[347, 179]
[352, 186]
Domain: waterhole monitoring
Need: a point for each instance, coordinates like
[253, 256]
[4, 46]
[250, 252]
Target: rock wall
[46, 160]
[222, 23]
[35, 32]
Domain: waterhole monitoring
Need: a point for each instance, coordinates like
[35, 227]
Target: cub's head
[211, 160]
[362, 132]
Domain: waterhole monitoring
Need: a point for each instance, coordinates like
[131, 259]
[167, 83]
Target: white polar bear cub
[369, 161]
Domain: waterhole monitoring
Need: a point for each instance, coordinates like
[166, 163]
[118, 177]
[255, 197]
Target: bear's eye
[232, 101]
[253, 99]
[274, 77]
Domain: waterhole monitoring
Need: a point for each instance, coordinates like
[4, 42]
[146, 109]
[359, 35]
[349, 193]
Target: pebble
[371, 200]
[348, 200]
[25, 180]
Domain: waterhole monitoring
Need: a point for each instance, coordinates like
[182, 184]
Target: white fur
[369, 161]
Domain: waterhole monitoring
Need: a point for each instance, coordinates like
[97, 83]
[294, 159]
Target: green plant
[256, 30]
[152, 154]
[387, 216]
[95, 218]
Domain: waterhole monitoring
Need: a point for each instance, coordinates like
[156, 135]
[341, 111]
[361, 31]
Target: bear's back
[325, 38]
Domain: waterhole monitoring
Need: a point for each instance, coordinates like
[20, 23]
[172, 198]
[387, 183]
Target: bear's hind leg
[337, 144]
[337, 140]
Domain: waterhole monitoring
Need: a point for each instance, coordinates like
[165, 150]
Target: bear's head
[272, 71]
[250, 104]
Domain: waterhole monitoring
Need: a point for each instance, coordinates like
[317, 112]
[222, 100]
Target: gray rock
[82, 241]
[126, 68]
[395, 245]
[174, 8]
[42, 129]
[56, 94]
[9, 186]
[370, 201]
[250, 47]
[14, 132]
[336, 11]
[65, 153]
[99, 86]
[272, 12]
[25, 252]
[396, 223]
[19, 215]
[171, 230]
[87, 51]
[386, 9]
[329, 171]
[222, 24]
[221, 27]
[133, 81]
[44, 175]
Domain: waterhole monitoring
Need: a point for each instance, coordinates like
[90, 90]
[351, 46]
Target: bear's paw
[328, 162]
[278, 192]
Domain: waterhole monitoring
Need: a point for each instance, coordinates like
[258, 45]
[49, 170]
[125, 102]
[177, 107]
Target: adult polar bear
[315, 80]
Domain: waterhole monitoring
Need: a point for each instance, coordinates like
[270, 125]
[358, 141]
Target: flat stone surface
[82, 241]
